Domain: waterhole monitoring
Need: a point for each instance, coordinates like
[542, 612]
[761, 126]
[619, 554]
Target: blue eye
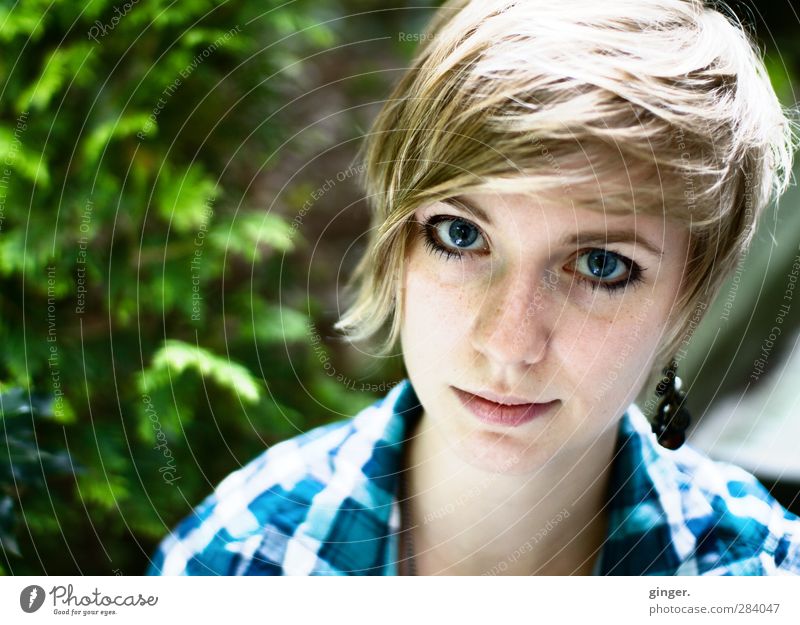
[458, 233]
[601, 264]
[607, 269]
[452, 236]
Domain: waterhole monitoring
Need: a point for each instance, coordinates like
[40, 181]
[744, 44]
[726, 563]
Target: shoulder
[244, 526]
[697, 516]
[739, 527]
[295, 508]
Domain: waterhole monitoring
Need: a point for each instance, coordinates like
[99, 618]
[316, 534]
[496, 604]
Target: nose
[513, 326]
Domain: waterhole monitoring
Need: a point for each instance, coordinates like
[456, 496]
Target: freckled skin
[520, 319]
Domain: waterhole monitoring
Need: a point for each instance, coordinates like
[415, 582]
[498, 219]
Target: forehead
[539, 209]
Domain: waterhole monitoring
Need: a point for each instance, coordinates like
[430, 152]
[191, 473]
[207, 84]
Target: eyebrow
[594, 237]
[464, 204]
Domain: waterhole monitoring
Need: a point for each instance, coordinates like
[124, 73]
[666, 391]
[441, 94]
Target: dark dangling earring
[672, 418]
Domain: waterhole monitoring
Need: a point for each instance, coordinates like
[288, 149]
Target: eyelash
[432, 244]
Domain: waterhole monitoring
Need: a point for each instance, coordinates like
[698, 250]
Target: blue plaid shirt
[325, 503]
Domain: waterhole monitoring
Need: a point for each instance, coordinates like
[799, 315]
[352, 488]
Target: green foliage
[28, 463]
[139, 268]
[176, 356]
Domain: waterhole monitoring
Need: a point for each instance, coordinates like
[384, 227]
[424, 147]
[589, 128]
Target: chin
[495, 452]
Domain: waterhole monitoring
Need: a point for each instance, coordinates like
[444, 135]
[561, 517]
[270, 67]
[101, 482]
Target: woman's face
[527, 300]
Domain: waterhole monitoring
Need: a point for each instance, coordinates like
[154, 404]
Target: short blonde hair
[525, 96]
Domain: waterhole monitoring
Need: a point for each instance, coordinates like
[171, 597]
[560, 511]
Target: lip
[512, 411]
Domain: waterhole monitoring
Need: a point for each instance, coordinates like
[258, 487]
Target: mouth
[503, 410]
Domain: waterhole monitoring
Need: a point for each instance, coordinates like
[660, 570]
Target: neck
[466, 521]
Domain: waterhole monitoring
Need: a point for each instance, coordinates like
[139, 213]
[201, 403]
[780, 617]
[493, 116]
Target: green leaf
[277, 324]
[31, 165]
[251, 235]
[216, 39]
[62, 65]
[176, 357]
[184, 197]
[18, 254]
[26, 19]
[104, 489]
[162, 408]
[123, 126]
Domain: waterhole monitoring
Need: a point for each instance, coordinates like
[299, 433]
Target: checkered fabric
[325, 503]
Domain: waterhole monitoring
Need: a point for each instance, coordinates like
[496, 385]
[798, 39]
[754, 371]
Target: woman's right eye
[453, 236]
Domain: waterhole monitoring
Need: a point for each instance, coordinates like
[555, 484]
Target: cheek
[609, 359]
[616, 348]
[436, 307]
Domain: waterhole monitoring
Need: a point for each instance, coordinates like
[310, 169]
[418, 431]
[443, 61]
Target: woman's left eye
[608, 269]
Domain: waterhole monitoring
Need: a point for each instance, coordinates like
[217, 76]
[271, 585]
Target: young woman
[559, 190]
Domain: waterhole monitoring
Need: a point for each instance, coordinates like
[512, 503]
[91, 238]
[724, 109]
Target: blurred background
[179, 211]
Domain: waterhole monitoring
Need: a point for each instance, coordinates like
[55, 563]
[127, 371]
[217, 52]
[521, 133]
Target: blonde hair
[533, 95]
